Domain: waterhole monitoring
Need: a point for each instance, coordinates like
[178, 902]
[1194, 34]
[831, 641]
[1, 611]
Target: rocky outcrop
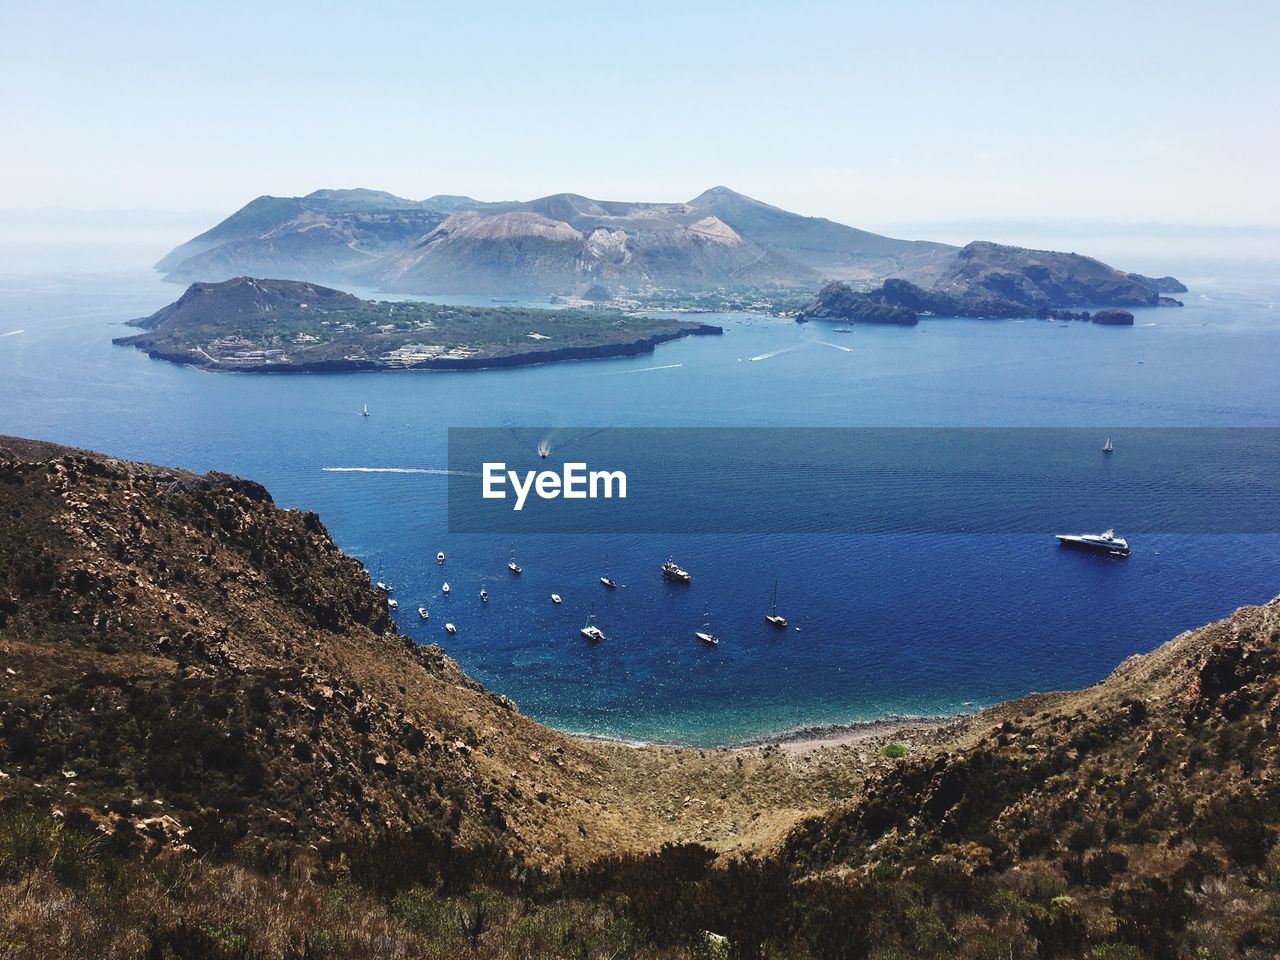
[838, 301]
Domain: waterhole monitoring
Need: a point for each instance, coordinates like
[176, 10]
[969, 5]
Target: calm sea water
[917, 624]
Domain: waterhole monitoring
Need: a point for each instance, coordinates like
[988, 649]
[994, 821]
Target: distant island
[273, 326]
[992, 280]
[720, 251]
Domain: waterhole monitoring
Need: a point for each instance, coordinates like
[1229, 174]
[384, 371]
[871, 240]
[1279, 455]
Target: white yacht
[591, 631]
[484, 595]
[391, 604]
[703, 632]
[444, 588]
[365, 411]
[450, 628]
[511, 564]
[606, 579]
[773, 617]
[555, 598]
[422, 613]
[1105, 542]
[440, 557]
[673, 571]
[1108, 447]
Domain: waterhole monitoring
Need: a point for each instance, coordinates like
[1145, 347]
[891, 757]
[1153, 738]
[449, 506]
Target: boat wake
[665, 366]
[430, 471]
[12, 333]
[775, 353]
[834, 346]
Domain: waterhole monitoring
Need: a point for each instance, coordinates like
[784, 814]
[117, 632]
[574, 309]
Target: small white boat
[384, 587]
[440, 557]
[704, 633]
[392, 604]
[484, 595]
[422, 612]
[555, 598]
[365, 411]
[1108, 447]
[606, 579]
[511, 564]
[772, 616]
[450, 628]
[444, 588]
[591, 631]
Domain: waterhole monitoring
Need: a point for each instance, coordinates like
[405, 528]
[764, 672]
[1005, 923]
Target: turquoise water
[915, 624]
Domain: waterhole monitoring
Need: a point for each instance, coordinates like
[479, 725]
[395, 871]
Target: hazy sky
[867, 113]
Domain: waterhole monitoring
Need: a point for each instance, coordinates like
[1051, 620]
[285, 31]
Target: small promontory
[274, 326]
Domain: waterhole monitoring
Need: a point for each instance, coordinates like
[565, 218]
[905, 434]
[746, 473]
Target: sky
[886, 113]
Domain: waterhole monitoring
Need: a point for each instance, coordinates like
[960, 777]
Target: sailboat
[1107, 447]
[703, 632]
[591, 631]
[365, 411]
[773, 617]
[511, 564]
[606, 579]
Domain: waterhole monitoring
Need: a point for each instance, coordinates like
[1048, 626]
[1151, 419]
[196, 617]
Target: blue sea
[913, 624]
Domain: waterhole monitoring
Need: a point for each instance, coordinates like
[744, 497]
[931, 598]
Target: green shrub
[894, 750]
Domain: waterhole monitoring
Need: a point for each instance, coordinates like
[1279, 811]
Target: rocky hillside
[991, 280]
[1040, 278]
[214, 744]
[567, 243]
[830, 248]
[1148, 804]
[187, 660]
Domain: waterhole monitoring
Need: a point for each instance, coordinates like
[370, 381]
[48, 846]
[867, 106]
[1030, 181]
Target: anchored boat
[1105, 542]
[673, 571]
[591, 631]
[773, 617]
[703, 632]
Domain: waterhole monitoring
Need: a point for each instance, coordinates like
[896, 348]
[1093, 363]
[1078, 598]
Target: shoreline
[804, 739]
[528, 358]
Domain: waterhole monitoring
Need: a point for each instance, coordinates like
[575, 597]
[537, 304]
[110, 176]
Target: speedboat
[391, 604]
[484, 595]
[422, 612]
[704, 633]
[555, 598]
[384, 587]
[591, 631]
[440, 557]
[1105, 542]
[773, 617]
[673, 571]
[445, 588]
[450, 628]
